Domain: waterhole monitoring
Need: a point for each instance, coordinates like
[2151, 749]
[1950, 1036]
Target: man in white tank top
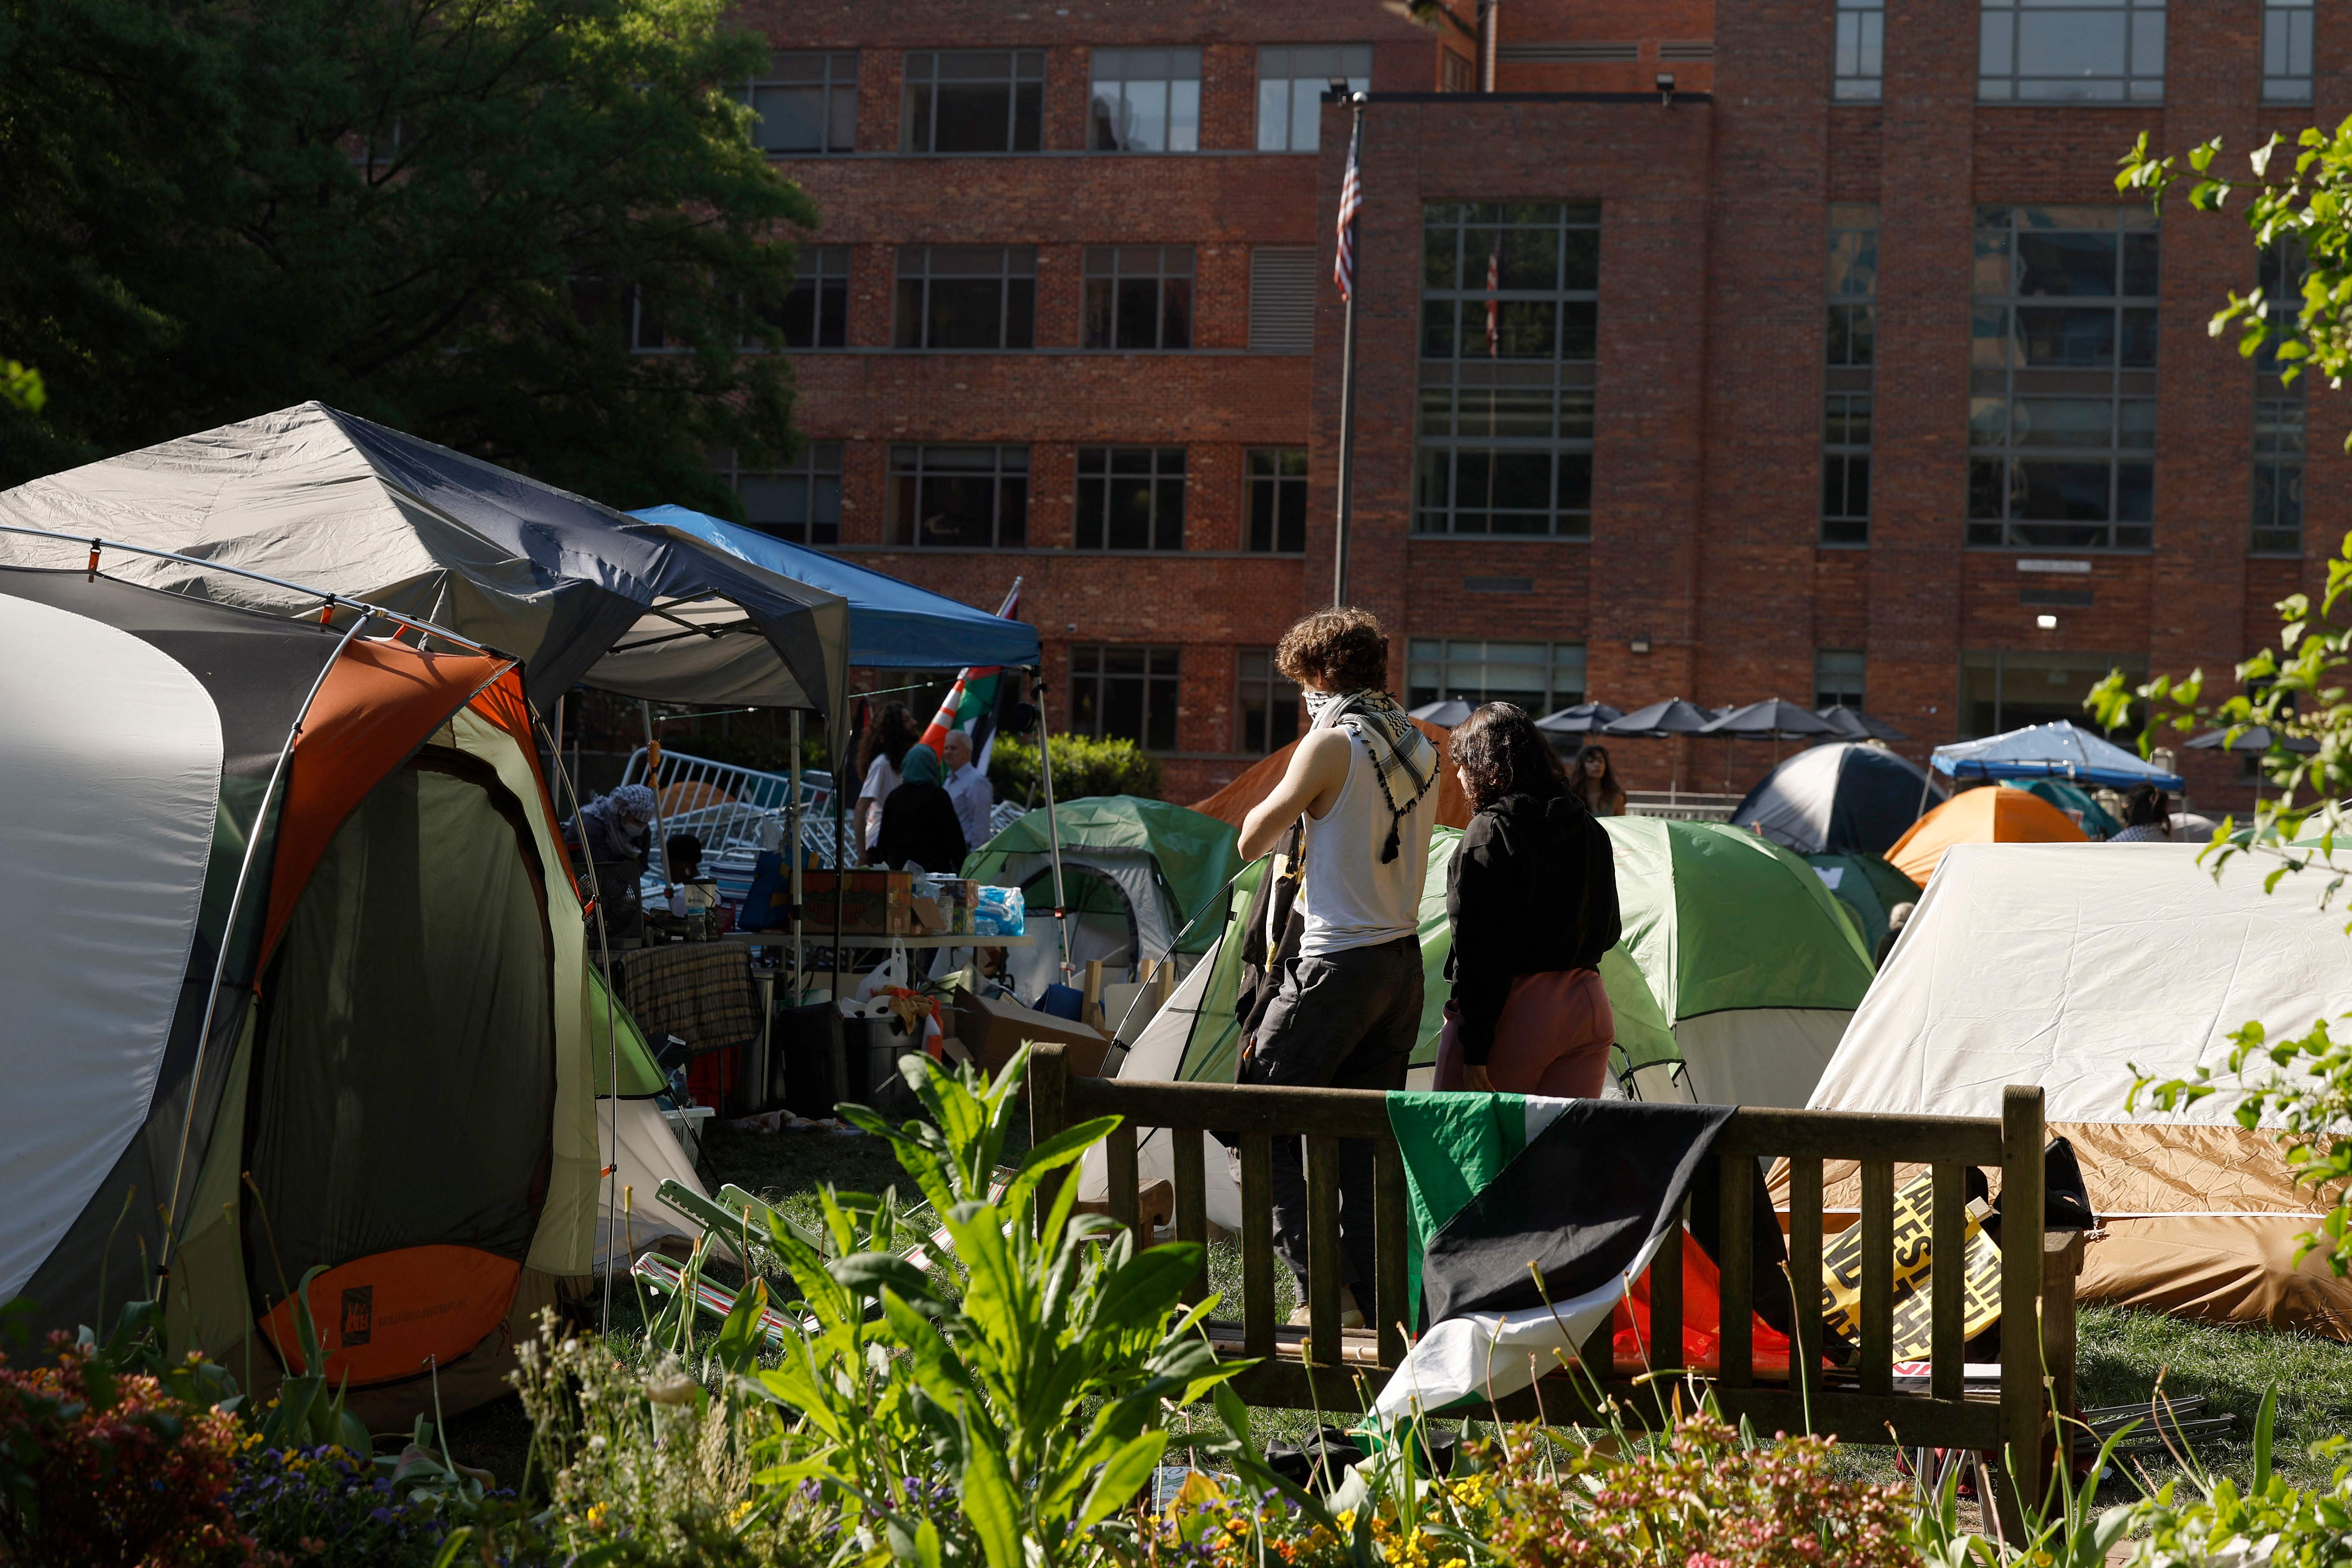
[1348, 1009]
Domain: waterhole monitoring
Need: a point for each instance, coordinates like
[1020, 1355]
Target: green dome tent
[1135, 872]
[1868, 887]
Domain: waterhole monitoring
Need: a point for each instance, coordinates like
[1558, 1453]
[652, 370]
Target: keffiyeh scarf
[1402, 759]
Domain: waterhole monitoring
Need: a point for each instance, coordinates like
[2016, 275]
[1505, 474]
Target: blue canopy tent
[892, 624]
[2053, 751]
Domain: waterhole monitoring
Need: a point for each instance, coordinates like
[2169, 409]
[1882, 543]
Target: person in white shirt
[887, 741]
[968, 788]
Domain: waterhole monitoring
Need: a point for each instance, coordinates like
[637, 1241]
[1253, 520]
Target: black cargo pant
[1339, 1020]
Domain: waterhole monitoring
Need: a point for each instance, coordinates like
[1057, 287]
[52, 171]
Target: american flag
[1494, 303]
[1351, 201]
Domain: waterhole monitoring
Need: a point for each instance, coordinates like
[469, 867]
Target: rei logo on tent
[358, 1315]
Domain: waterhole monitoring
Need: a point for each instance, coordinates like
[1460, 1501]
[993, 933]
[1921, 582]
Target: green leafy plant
[2267, 1521]
[1083, 766]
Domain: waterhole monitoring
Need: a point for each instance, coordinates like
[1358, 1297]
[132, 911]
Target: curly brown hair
[1339, 650]
[1500, 751]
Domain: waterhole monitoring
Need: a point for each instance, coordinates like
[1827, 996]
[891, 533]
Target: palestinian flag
[1505, 1187]
[972, 702]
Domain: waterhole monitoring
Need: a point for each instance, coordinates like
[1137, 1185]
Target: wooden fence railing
[1327, 1369]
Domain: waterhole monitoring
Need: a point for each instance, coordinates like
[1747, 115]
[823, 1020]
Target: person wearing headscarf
[919, 819]
[610, 833]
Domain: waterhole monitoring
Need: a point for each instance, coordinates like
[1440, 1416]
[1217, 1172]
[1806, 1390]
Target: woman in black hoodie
[1531, 894]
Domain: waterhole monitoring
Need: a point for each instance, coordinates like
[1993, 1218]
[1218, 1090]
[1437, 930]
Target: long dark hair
[891, 733]
[1610, 794]
[1500, 751]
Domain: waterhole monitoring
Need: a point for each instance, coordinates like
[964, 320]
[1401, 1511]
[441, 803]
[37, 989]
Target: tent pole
[1053, 831]
[228, 937]
[655, 842]
[792, 857]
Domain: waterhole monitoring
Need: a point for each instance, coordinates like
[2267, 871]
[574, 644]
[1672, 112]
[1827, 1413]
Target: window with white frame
[805, 103]
[1860, 49]
[1852, 346]
[2287, 51]
[1277, 499]
[1145, 100]
[2062, 407]
[2061, 51]
[815, 314]
[2278, 414]
[1291, 81]
[1541, 678]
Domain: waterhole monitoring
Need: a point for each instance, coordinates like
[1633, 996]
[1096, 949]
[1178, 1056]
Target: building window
[967, 297]
[649, 333]
[1852, 346]
[1510, 295]
[2062, 407]
[815, 314]
[1277, 499]
[2278, 414]
[974, 100]
[1837, 678]
[1138, 297]
[2287, 51]
[1145, 100]
[2038, 51]
[1265, 701]
[1541, 678]
[959, 497]
[801, 502]
[1291, 82]
[807, 103]
[1126, 691]
[1456, 73]
[2003, 690]
[1861, 48]
[1282, 300]
[1130, 497]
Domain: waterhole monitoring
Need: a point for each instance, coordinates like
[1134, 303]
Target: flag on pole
[972, 702]
[1494, 303]
[1351, 201]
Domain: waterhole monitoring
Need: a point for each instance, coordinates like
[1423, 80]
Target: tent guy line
[328, 601]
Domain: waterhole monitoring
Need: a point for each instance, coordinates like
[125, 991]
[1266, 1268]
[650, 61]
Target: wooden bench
[1330, 1370]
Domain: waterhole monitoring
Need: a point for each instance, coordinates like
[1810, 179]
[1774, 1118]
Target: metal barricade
[736, 811]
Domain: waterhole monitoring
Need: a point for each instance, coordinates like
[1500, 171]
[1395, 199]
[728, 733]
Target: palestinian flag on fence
[1502, 1187]
[972, 702]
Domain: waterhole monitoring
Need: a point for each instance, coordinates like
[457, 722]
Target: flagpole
[1347, 363]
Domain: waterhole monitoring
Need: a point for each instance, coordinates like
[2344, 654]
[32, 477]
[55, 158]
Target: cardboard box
[993, 1028]
[873, 903]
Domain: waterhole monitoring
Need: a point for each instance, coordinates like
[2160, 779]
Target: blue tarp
[892, 624]
[2054, 750]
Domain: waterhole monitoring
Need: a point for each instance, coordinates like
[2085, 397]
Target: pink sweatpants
[1553, 1037]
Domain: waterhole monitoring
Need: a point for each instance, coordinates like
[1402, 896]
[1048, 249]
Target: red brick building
[1837, 371]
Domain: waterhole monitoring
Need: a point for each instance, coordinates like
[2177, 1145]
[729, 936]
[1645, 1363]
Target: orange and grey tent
[1986, 815]
[295, 979]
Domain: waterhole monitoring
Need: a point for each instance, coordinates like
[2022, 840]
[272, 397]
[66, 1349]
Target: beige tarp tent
[2068, 965]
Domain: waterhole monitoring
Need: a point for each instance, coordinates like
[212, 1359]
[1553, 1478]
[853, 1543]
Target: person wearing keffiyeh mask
[1347, 1010]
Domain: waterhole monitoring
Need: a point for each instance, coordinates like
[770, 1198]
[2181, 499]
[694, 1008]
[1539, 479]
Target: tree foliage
[433, 213]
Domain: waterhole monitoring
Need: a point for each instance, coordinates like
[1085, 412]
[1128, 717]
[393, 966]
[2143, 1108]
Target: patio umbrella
[1660, 720]
[1581, 719]
[1775, 718]
[1855, 724]
[1445, 713]
[2253, 738]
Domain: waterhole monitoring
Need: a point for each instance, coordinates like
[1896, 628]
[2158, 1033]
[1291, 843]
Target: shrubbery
[1083, 766]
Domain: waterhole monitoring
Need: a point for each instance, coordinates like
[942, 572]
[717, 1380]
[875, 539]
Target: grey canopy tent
[340, 505]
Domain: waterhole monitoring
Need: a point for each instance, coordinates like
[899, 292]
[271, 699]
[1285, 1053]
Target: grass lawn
[2123, 1353]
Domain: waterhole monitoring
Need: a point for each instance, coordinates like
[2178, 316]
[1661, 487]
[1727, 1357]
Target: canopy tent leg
[655, 844]
[1052, 833]
[792, 855]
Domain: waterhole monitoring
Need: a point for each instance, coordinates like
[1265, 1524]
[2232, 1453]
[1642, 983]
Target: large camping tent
[396, 1043]
[1834, 798]
[1867, 885]
[1135, 872]
[2076, 967]
[324, 502]
[1979, 816]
